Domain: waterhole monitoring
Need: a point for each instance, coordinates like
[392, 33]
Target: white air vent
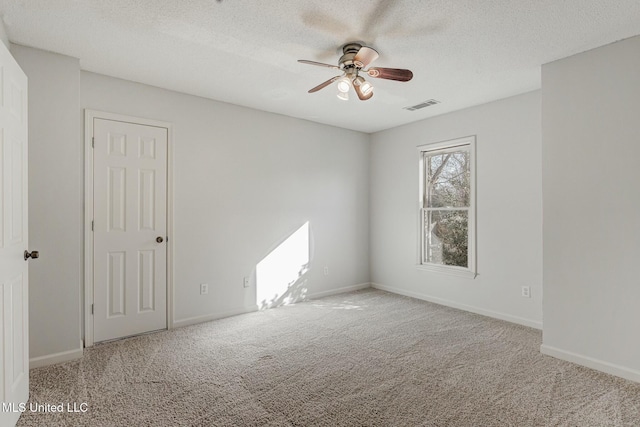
[427, 103]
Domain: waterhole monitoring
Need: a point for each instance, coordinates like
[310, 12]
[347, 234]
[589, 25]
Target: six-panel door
[130, 219]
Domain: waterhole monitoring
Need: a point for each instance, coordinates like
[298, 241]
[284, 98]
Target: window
[447, 207]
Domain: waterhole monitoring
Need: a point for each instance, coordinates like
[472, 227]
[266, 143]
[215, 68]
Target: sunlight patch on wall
[280, 275]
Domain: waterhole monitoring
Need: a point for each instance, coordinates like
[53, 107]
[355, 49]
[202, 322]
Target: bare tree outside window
[446, 204]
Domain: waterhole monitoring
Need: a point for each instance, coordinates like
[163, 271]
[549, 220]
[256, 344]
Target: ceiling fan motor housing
[347, 59]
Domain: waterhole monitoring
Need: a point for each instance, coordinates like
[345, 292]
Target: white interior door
[14, 272]
[130, 229]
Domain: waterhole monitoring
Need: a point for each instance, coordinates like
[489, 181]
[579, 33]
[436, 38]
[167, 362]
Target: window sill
[452, 271]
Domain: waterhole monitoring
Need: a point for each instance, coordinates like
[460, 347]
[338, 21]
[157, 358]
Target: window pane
[446, 237]
[448, 180]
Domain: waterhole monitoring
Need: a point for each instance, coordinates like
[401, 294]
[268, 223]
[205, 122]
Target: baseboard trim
[489, 313]
[590, 362]
[52, 359]
[337, 291]
[215, 316]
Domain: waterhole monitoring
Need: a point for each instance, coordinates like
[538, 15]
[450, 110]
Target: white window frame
[469, 143]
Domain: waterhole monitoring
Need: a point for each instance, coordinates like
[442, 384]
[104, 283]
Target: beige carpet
[367, 358]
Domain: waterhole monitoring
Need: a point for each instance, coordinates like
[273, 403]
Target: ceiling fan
[352, 63]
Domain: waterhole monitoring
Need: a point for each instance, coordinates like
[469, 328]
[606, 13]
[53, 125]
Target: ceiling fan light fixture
[363, 88]
[344, 84]
[343, 96]
[366, 87]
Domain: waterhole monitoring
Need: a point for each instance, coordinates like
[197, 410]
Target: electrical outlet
[204, 288]
[326, 270]
[526, 292]
[245, 282]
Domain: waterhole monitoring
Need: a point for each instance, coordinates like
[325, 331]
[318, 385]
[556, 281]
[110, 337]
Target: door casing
[89, 116]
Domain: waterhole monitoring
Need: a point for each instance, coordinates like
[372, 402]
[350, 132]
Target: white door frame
[89, 115]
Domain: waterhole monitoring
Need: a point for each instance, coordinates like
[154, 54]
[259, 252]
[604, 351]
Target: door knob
[159, 239]
[32, 254]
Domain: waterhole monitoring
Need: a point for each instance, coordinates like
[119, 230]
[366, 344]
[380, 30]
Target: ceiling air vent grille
[427, 103]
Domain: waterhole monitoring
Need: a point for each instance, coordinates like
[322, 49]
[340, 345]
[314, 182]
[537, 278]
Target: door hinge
[91, 225]
[93, 142]
[91, 308]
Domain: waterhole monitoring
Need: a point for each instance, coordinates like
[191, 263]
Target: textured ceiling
[462, 52]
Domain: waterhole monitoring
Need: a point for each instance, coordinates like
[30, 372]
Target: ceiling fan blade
[365, 56]
[398, 74]
[323, 85]
[319, 64]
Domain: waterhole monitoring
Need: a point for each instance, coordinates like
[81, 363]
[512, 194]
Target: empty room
[365, 213]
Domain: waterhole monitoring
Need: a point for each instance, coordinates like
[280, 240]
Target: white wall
[591, 159]
[509, 211]
[55, 200]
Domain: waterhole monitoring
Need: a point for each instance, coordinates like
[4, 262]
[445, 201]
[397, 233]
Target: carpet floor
[366, 358]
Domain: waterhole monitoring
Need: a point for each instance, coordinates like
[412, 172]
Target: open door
[14, 272]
